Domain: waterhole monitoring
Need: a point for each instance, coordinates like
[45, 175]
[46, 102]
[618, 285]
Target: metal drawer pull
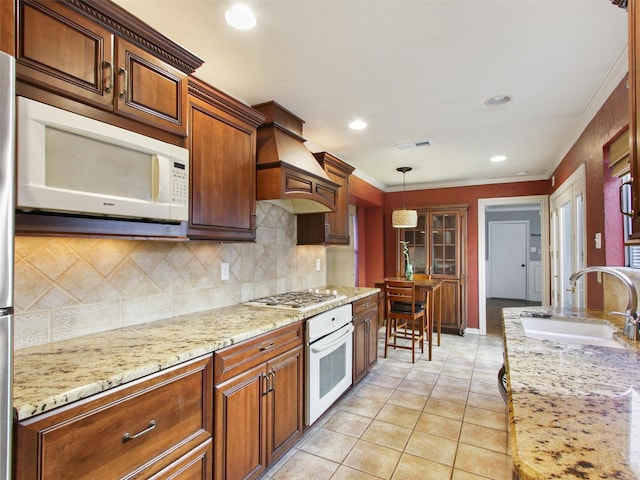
[108, 65]
[127, 436]
[125, 84]
[267, 347]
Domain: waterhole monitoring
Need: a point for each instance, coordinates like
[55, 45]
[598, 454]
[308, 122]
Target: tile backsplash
[68, 287]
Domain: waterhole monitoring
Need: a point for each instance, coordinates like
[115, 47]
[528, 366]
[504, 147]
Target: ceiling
[416, 70]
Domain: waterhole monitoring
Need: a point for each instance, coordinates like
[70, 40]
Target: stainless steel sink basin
[564, 330]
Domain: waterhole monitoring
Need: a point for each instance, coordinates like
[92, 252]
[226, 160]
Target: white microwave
[74, 164]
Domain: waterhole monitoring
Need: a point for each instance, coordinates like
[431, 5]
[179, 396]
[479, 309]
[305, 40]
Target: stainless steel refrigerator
[7, 202]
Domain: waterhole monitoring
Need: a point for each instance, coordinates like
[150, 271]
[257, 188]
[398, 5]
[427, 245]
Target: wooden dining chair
[406, 318]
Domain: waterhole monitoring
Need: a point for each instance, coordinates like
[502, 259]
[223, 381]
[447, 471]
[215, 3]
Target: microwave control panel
[179, 184]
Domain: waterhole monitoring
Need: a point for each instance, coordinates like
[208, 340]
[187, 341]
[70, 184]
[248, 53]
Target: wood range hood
[287, 172]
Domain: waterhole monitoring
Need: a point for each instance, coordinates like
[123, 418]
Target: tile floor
[442, 419]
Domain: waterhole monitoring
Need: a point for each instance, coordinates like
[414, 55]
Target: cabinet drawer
[140, 426]
[365, 305]
[238, 358]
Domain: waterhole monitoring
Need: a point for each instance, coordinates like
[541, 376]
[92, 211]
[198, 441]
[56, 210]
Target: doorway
[537, 266]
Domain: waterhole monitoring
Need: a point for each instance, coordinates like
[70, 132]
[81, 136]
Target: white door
[567, 240]
[508, 259]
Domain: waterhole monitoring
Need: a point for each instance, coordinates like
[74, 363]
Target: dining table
[428, 291]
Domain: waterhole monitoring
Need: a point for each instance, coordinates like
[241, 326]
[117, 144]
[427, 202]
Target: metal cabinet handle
[267, 346]
[630, 183]
[272, 376]
[108, 65]
[127, 436]
[265, 385]
[123, 93]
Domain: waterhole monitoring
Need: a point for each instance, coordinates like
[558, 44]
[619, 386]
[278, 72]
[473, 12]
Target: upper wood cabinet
[329, 228]
[95, 53]
[222, 146]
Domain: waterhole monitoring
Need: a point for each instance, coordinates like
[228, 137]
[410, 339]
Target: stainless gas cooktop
[300, 301]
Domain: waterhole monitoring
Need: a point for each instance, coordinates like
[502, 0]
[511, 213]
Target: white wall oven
[329, 359]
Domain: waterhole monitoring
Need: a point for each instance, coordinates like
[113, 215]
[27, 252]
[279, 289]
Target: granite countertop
[54, 374]
[574, 410]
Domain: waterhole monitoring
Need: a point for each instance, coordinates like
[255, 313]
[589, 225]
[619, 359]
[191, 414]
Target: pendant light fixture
[404, 218]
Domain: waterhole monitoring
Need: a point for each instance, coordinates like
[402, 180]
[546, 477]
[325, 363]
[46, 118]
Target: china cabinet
[437, 248]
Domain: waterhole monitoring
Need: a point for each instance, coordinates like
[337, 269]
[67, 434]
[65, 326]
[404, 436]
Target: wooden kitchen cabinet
[365, 336]
[258, 402]
[222, 149]
[97, 54]
[148, 428]
[329, 228]
[437, 247]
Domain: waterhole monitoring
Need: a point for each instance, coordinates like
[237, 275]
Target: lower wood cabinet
[258, 402]
[157, 427]
[365, 336]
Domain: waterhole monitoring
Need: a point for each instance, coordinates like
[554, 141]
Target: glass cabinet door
[444, 247]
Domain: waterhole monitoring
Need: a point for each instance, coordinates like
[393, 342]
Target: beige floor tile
[408, 400]
[450, 394]
[394, 369]
[457, 383]
[440, 426]
[486, 463]
[347, 423]
[384, 380]
[488, 402]
[302, 466]
[412, 386]
[444, 408]
[432, 447]
[404, 417]
[348, 473]
[375, 392]
[425, 365]
[422, 376]
[387, 435]
[484, 437]
[374, 459]
[486, 418]
[328, 444]
[462, 475]
[485, 376]
[362, 406]
[411, 467]
[484, 388]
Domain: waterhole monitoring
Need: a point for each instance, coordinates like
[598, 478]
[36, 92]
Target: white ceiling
[415, 70]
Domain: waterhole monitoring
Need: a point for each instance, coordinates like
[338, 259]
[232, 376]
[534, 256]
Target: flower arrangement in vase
[408, 268]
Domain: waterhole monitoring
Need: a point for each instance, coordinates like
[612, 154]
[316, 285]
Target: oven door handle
[321, 347]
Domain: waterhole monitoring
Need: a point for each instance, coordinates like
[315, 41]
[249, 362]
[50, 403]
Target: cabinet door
[445, 259]
[61, 51]
[372, 350]
[149, 90]
[284, 403]
[338, 222]
[450, 298]
[195, 465]
[240, 434]
[360, 340]
[223, 172]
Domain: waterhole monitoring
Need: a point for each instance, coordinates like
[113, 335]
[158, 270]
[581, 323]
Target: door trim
[543, 201]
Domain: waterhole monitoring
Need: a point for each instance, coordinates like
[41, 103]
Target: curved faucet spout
[631, 312]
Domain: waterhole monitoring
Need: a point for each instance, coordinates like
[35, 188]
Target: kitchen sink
[565, 330]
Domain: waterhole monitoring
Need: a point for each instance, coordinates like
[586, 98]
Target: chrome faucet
[631, 315]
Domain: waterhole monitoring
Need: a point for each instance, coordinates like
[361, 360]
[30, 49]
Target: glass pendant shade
[404, 218]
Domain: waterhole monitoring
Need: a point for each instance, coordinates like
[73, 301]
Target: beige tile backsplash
[68, 287]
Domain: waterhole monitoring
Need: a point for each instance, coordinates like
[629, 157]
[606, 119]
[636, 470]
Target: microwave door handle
[161, 179]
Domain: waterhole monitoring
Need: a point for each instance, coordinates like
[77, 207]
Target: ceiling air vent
[416, 144]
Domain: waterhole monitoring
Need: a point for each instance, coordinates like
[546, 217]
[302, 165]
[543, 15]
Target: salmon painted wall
[456, 196]
[369, 202]
[602, 197]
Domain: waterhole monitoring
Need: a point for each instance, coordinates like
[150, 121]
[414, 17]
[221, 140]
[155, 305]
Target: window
[631, 252]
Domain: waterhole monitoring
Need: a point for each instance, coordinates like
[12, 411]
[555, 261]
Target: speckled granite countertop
[574, 410]
[55, 374]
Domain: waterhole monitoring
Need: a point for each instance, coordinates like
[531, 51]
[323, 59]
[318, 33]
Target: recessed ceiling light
[358, 125]
[498, 100]
[498, 158]
[522, 172]
[241, 17]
